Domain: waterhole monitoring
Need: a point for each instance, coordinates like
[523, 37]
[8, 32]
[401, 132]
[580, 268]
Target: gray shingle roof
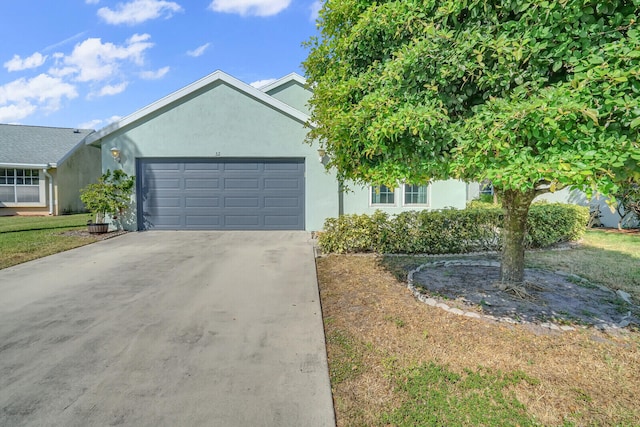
[36, 145]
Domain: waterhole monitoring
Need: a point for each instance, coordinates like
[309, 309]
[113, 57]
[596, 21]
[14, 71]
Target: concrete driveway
[166, 329]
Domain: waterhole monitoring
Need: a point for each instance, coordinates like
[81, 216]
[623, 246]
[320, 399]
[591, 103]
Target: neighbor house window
[486, 188]
[416, 194]
[19, 186]
[382, 195]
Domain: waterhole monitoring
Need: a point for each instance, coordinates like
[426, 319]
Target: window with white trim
[416, 195]
[383, 195]
[19, 186]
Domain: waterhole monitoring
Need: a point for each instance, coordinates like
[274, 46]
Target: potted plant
[111, 195]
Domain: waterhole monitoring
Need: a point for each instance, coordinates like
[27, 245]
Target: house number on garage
[217, 154]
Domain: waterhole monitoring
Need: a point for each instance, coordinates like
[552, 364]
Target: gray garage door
[221, 194]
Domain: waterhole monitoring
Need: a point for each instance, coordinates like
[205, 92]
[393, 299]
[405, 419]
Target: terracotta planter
[98, 228]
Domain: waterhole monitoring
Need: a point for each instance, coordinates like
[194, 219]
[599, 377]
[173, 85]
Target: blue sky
[86, 63]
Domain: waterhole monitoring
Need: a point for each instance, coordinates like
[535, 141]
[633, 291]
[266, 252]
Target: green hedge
[448, 231]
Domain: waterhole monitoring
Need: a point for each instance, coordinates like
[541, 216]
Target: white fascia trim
[286, 79]
[26, 165]
[177, 95]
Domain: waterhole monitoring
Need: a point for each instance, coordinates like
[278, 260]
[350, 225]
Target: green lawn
[24, 238]
[609, 258]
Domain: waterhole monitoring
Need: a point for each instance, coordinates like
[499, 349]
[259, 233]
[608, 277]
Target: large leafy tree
[531, 95]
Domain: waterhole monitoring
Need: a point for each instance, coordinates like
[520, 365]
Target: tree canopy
[531, 95]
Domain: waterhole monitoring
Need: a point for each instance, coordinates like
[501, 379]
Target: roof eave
[80, 143]
[28, 165]
[284, 80]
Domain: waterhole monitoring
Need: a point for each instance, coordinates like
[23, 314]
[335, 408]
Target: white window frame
[395, 197]
[428, 201]
[41, 190]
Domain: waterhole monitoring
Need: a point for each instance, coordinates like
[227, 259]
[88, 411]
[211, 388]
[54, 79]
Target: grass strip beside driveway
[25, 238]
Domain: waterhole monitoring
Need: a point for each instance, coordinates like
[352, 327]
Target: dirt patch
[546, 297]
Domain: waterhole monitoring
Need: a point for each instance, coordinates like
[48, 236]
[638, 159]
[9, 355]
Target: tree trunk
[515, 205]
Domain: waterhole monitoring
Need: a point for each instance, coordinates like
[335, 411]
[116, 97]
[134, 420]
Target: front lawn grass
[606, 257]
[25, 238]
[394, 361]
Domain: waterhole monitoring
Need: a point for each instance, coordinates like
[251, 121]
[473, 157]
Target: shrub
[448, 231]
[551, 223]
[109, 196]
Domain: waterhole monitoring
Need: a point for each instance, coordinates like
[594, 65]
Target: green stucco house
[42, 169]
[221, 154]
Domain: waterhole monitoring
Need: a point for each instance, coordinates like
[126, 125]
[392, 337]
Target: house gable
[190, 92]
[292, 90]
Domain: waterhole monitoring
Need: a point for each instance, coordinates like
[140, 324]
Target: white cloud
[109, 90]
[262, 83]
[23, 97]
[98, 123]
[92, 1]
[154, 75]
[250, 7]
[91, 124]
[93, 60]
[42, 88]
[17, 63]
[315, 9]
[138, 11]
[198, 51]
[14, 112]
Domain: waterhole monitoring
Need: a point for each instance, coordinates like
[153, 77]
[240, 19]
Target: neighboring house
[42, 169]
[608, 217]
[221, 154]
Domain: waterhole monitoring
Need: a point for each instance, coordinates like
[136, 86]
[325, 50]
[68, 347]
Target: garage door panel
[166, 166]
[208, 183]
[283, 166]
[201, 166]
[241, 183]
[164, 183]
[241, 166]
[242, 220]
[281, 202]
[166, 221]
[241, 202]
[279, 183]
[221, 194]
[202, 220]
[164, 202]
[202, 202]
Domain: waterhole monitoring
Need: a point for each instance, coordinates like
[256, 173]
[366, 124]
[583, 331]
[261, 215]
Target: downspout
[50, 178]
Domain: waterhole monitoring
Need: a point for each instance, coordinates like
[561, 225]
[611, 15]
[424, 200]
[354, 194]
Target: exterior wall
[442, 194]
[220, 121]
[24, 211]
[293, 94]
[81, 168]
[473, 191]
